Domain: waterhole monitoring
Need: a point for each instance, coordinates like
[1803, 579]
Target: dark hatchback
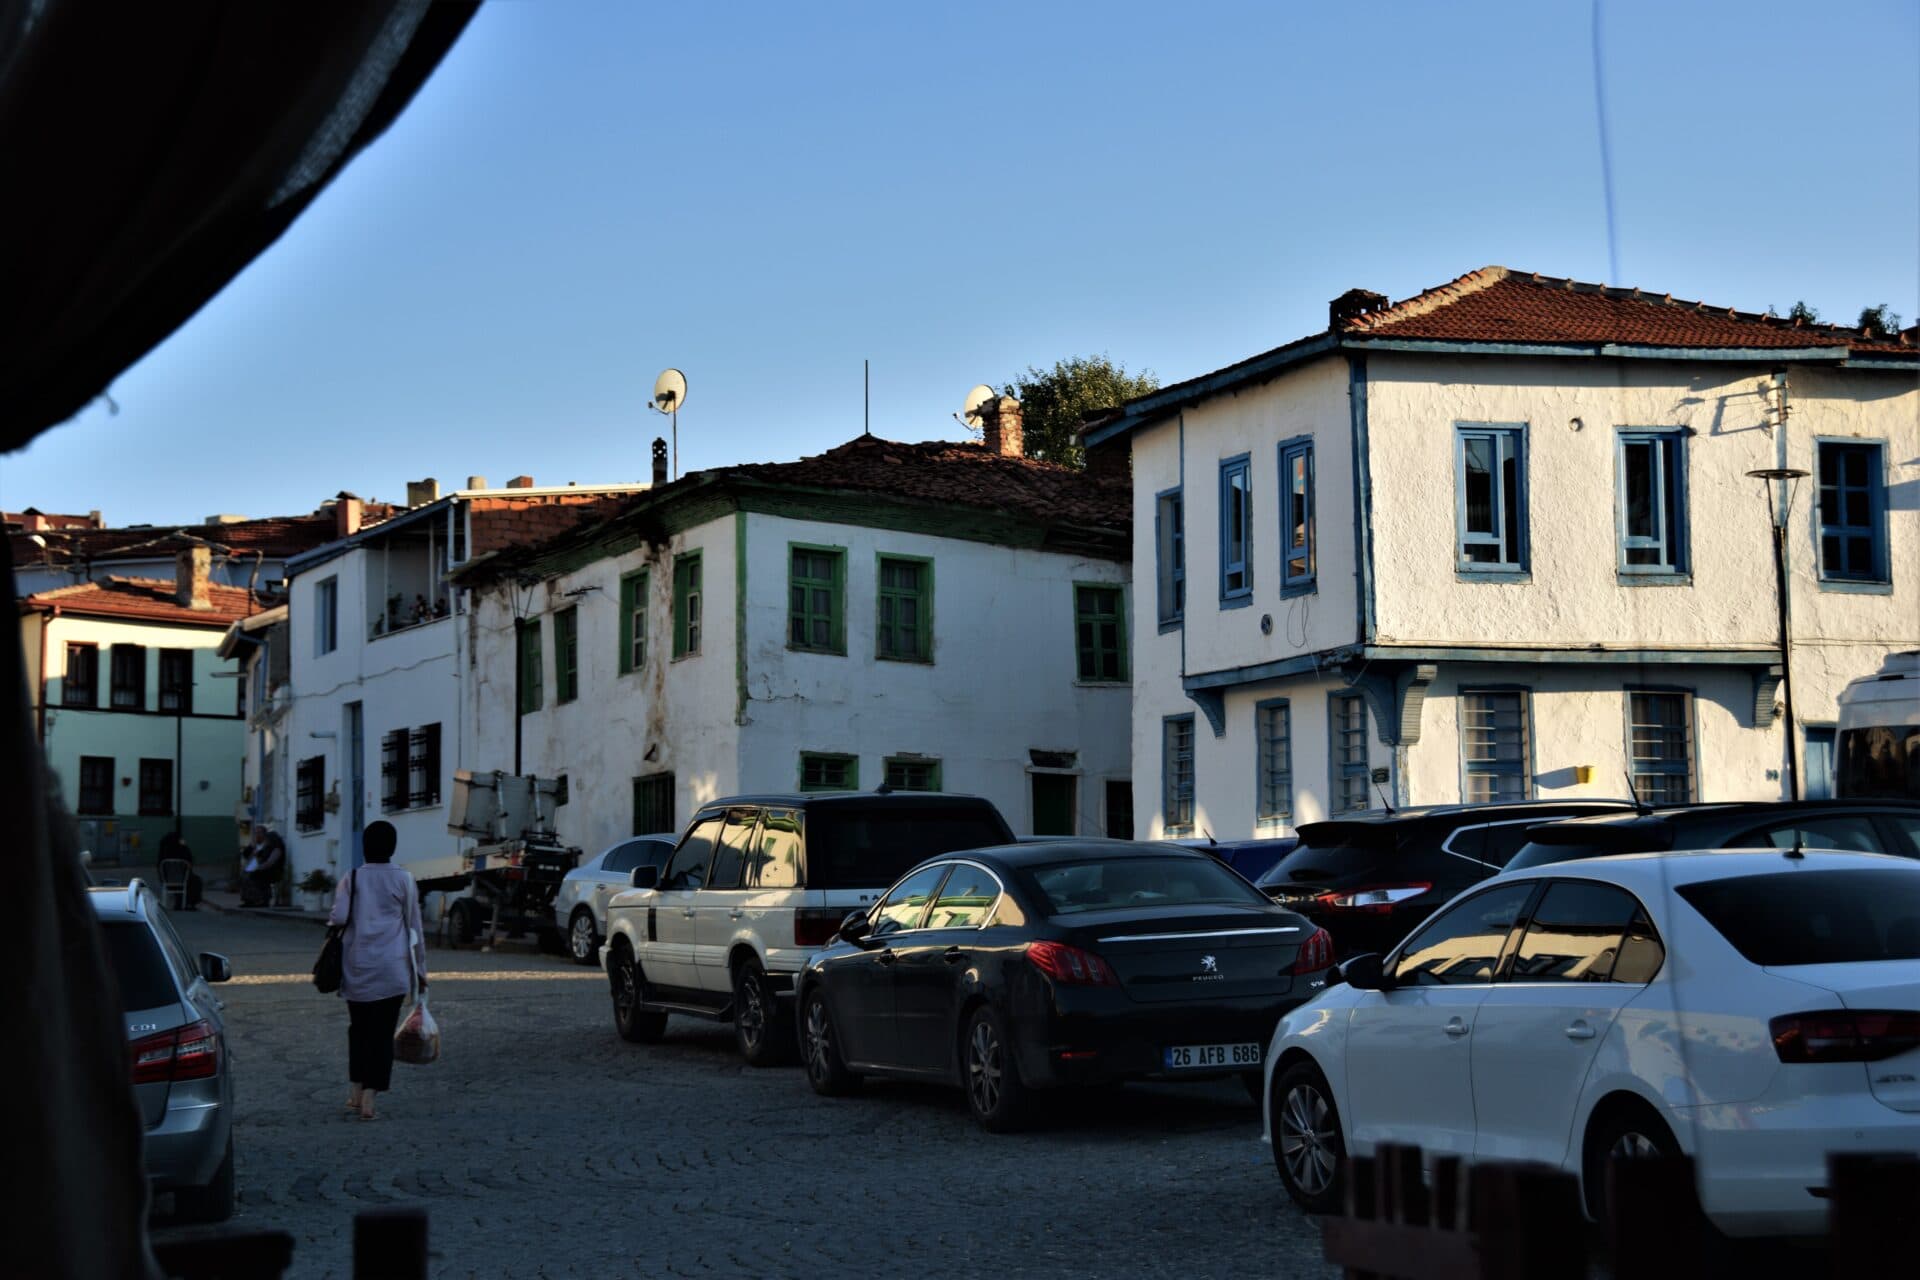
[1370, 878]
[1025, 967]
[1865, 826]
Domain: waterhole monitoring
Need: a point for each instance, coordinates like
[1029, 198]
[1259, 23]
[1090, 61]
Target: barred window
[423, 766]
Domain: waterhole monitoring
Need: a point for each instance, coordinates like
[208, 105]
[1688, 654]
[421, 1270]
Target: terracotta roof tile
[147, 600]
[277, 537]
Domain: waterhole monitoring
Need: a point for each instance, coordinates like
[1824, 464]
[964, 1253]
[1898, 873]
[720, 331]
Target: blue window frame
[1495, 746]
[1273, 752]
[1660, 745]
[1296, 517]
[1170, 555]
[1176, 774]
[1650, 473]
[1490, 469]
[1851, 511]
[1236, 532]
[1347, 751]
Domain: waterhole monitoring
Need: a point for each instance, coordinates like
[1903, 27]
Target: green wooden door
[1054, 809]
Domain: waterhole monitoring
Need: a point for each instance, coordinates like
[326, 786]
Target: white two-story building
[933, 616]
[1499, 541]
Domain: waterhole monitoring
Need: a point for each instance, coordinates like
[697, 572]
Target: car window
[623, 859]
[1641, 953]
[139, 964]
[966, 900]
[1847, 831]
[730, 858]
[1815, 917]
[176, 948]
[775, 863]
[1106, 884]
[852, 846]
[907, 901]
[1502, 840]
[654, 853]
[1575, 933]
[1462, 944]
[687, 869]
[1906, 833]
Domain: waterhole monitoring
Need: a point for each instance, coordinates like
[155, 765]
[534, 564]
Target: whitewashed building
[369, 721]
[934, 616]
[1499, 541]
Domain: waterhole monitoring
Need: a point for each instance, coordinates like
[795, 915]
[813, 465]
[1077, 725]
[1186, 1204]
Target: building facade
[1499, 541]
[930, 617]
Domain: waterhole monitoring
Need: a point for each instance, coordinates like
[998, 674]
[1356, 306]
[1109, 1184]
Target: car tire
[1630, 1129]
[211, 1203]
[1309, 1147]
[463, 922]
[629, 986]
[999, 1099]
[583, 939]
[759, 1030]
[827, 1071]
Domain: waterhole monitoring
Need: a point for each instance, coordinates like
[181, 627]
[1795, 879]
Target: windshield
[1880, 761]
[138, 964]
[1815, 917]
[1314, 863]
[1103, 884]
[851, 848]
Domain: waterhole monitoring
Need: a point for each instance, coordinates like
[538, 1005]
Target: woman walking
[381, 952]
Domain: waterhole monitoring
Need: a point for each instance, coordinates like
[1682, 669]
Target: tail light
[1374, 899]
[186, 1053]
[1845, 1035]
[815, 926]
[1316, 953]
[1071, 965]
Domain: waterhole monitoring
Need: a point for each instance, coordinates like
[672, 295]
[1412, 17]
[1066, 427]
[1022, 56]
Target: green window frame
[829, 771]
[816, 598]
[903, 612]
[633, 621]
[1100, 632]
[912, 773]
[653, 803]
[533, 694]
[686, 604]
[566, 654]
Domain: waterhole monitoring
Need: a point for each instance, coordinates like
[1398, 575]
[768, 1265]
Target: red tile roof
[1497, 304]
[276, 537]
[146, 600]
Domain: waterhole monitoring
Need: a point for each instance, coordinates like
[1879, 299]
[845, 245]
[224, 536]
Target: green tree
[1880, 322]
[1803, 313]
[1055, 401]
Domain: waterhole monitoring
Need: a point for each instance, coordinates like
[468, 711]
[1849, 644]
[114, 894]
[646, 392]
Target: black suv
[1370, 878]
[1866, 826]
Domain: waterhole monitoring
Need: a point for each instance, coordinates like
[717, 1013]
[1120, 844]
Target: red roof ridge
[1433, 299]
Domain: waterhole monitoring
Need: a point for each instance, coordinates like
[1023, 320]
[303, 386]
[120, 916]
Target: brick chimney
[421, 492]
[346, 516]
[520, 482]
[1351, 305]
[1002, 427]
[190, 569]
[476, 482]
[659, 460]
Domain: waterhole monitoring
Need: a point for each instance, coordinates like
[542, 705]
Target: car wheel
[996, 1095]
[756, 1017]
[1631, 1131]
[635, 1024]
[1308, 1147]
[583, 940]
[463, 922]
[211, 1203]
[820, 1049]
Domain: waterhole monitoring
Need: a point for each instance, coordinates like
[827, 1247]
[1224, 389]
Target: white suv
[756, 886]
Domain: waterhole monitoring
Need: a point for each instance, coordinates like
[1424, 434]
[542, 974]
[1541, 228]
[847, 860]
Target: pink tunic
[383, 947]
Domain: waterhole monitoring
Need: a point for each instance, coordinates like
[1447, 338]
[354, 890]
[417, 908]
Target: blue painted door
[356, 785]
[1819, 762]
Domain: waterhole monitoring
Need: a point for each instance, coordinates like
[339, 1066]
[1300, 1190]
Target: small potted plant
[316, 891]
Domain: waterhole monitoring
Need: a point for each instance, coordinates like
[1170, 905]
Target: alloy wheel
[751, 1015]
[626, 989]
[819, 1040]
[1633, 1145]
[582, 938]
[983, 1067]
[1306, 1140]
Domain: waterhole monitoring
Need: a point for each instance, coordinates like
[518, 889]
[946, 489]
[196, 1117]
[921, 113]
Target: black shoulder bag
[327, 969]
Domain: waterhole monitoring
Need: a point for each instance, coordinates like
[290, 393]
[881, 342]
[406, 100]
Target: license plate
[1187, 1057]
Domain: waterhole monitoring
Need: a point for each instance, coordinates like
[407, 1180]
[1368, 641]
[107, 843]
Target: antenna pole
[866, 397]
[675, 417]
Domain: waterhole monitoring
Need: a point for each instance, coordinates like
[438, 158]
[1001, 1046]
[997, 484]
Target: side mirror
[214, 968]
[645, 876]
[1364, 973]
[854, 928]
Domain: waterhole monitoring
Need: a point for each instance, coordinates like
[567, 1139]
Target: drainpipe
[40, 699]
[519, 717]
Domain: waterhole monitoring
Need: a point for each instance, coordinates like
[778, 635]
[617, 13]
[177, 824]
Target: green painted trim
[739, 617]
[925, 597]
[681, 649]
[933, 772]
[634, 588]
[566, 633]
[836, 609]
[1126, 663]
[852, 762]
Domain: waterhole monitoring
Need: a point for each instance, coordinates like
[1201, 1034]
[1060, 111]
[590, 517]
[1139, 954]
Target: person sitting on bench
[260, 869]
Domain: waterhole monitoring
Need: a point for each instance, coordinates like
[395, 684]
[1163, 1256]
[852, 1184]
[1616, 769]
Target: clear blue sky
[588, 192]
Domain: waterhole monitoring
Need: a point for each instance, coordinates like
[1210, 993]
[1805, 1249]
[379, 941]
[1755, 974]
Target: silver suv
[177, 1049]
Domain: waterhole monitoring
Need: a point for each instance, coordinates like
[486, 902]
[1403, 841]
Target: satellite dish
[669, 391]
[970, 412]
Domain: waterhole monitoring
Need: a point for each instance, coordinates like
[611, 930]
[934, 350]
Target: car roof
[1667, 818]
[1515, 809]
[841, 799]
[1649, 871]
[121, 901]
[1043, 853]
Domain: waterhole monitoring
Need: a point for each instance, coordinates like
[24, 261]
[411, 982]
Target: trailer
[507, 882]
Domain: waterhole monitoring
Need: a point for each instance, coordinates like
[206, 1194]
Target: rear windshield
[1815, 917]
[1102, 884]
[850, 848]
[1881, 761]
[135, 956]
[1315, 863]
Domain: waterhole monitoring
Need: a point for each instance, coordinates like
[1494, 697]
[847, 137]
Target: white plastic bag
[417, 1042]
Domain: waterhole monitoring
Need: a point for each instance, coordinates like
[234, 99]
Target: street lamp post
[1780, 484]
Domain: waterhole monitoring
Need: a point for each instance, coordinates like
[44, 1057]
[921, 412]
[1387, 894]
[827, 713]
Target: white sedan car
[580, 905]
[1752, 1010]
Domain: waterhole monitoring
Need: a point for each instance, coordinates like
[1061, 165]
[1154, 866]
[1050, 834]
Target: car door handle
[1455, 1028]
[687, 912]
[1579, 1031]
[735, 914]
[886, 957]
[953, 955]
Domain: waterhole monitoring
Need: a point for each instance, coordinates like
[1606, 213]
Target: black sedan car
[1027, 967]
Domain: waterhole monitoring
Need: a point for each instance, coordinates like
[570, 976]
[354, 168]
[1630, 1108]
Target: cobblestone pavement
[542, 1145]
